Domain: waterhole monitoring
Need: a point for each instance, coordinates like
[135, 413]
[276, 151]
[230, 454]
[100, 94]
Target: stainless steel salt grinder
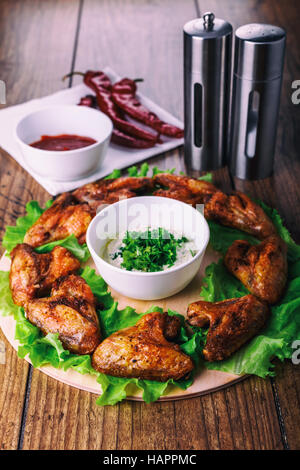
[258, 65]
[207, 69]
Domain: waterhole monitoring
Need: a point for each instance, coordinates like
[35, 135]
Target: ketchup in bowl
[62, 142]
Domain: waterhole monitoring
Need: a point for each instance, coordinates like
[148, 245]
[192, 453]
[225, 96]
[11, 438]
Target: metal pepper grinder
[207, 72]
[258, 64]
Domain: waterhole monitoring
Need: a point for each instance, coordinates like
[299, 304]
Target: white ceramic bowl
[66, 119]
[142, 212]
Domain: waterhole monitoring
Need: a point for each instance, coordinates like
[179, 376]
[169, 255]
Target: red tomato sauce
[62, 142]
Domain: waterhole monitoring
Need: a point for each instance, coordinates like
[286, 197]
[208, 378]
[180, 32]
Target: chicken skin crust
[32, 274]
[65, 217]
[108, 191]
[231, 323]
[144, 351]
[261, 268]
[239, 211]
[183, 188]
[70, 312]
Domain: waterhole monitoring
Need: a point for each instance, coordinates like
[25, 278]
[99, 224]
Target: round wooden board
[206, 380]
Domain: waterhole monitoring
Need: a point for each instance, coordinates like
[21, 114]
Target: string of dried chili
[118, 137]
[100, 83]
[124, 96]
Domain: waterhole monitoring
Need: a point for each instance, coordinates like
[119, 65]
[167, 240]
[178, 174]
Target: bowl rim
[54, 153]
[154, 273]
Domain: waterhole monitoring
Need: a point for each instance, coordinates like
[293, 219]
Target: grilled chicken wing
[64, 217]
[32, 274]
[231, 323]
[112, 190]
[70, 312]
[183, 188]
[238, 211]
[144, 351]
[261, 268]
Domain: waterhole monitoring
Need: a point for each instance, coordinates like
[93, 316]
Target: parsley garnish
[149, 251]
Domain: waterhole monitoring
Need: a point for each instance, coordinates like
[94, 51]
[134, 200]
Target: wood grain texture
[139, 38]
[32, 61]
[13, 378]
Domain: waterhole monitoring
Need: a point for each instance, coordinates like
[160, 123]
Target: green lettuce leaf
[134, 171]
[219, 284]
[221, 238]
[15, 234]
[7, 305]
[81, 252]
[138, 173]
[157, 171]
[293, 248]
[116, 389]
[114, 174]
[98, 286]
[207, 177]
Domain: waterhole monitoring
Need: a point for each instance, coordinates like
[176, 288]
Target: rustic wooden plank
[287, 389]
[13, 377]
[53, 424]
[32, 61]
[242, 416]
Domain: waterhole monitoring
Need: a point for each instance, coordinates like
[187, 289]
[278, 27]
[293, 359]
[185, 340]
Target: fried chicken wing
[261, 268]
[183, 188]
[32, 274]
[231, 323]
[239, 211]
[144, 351]
[112, 190]
[64, 217]
[70, 312]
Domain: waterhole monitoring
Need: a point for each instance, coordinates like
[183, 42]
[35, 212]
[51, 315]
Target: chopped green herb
[150, 250]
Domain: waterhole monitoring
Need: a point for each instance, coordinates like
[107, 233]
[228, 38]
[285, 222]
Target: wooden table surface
[40, 41]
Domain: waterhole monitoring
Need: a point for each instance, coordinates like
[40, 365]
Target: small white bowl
[66, 119]
[141, 212]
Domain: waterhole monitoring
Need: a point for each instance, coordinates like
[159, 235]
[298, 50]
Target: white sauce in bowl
[184, 253]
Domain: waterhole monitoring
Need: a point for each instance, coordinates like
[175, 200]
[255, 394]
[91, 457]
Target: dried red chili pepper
[100, 83]
[89, 101]
[124, 96]
[118, 137]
